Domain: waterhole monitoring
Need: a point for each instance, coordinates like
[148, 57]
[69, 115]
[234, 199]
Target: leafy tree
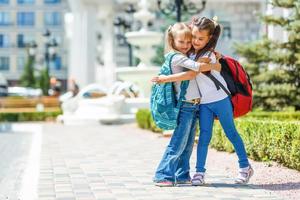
[274, 65]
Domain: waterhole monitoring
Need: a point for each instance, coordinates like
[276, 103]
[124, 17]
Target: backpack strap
[218, 83]
[184, 84]
[209, 75]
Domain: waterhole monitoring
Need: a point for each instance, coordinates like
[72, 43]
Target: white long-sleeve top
[208, 89]
[202, 86]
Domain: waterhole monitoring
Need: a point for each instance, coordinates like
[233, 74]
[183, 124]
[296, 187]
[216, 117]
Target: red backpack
[238, 83]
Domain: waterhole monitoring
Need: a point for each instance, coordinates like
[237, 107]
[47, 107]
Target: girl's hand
[159, 79]
[218, 56]
[204, 60]
[217, 66]
[205, 67]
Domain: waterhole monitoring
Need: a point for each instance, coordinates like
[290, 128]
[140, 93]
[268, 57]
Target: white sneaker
[244, 175]
[198, 179]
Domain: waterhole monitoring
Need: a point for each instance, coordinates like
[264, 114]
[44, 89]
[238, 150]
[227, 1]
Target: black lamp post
[50, 48]
[49, 55]
[180, 6]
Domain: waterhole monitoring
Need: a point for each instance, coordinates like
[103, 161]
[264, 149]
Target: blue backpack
[164, 104]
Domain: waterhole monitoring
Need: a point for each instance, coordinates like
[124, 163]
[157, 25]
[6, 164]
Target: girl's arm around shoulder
[180, 60]
[188, 75]
[182, 76]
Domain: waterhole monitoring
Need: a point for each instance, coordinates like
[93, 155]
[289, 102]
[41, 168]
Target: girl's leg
[169, 163]
[223, 110]
[206, 124]
[183, 170]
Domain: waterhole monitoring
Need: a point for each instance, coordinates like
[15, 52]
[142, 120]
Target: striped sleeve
[180, 60]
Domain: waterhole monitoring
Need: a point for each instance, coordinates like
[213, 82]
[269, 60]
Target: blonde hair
[173, 31]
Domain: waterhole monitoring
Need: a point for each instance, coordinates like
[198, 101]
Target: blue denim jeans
[174, 165]
[223, 110]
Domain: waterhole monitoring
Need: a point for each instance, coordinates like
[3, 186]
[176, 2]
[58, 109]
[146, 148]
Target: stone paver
[96, 162]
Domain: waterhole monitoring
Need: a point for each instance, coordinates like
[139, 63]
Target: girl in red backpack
[174, 165]
[215, 102]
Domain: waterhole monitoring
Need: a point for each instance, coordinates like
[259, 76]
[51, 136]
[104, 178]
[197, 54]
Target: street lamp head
[47, 33]
[168, 7]
[32, 48]
[130, 9]
[52, 46]
[118, 21]
[53, 42]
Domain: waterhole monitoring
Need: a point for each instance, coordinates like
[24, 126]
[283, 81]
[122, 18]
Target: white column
[82, 44]
[106, 72]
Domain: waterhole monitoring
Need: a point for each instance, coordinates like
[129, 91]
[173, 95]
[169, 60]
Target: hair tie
[215, 20]
[170, 27]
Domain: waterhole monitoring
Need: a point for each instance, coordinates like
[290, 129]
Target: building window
[4, 1]
[23, 40]
[226, 32]
[56, 63]
[25, 18]
[52, 1]
[53, 18]
[4, 40]
[21, 63]
[4, 18]
[4, 63]
[26, 1]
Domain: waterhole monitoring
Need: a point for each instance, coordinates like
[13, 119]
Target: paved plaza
[97, 162]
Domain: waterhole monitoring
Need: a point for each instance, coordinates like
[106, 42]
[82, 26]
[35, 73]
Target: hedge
[145, 121]
[28, 116]
[264, 140]
[275, 115]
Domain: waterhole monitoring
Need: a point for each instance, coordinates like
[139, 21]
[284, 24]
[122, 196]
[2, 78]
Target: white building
[25, 21]
[92, 52]
[93, 58]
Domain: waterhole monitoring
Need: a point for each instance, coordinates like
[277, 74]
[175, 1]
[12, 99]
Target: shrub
[275, 115]
[145, 121]
[28, 116]
[265, 140]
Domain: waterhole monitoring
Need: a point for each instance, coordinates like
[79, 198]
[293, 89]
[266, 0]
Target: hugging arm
[188, 75]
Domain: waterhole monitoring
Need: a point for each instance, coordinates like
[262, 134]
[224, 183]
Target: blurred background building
[90, 45]
[23, 22]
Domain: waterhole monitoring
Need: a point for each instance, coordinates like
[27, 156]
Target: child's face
[200, 38]
[182, 43]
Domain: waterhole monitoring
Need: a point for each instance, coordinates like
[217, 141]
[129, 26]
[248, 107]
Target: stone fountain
[143, 41]
[114, 107]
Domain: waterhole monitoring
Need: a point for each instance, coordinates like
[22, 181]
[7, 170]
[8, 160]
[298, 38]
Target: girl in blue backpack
[214, 102]
[174, 166]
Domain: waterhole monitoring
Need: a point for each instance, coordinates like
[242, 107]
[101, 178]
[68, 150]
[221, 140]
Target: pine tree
[275, 65]
[27, 79]
[44, 81]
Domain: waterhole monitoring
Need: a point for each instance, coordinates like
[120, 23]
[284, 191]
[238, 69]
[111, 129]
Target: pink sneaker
[198, 179]
[244, 175]
[164, 184]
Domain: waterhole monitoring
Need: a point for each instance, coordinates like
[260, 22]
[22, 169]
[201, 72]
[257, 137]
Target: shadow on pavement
[280, 186]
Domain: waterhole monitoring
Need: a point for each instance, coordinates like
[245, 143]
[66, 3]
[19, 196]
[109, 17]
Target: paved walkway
[98, 162]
